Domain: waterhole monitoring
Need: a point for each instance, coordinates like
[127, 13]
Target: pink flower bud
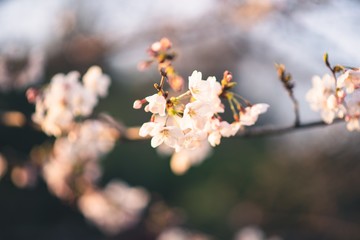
[165, 43]
[156, 46]
[31, 95]
[228, 76]
[137, 104]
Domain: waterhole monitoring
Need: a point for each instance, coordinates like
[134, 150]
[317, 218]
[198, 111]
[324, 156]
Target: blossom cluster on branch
[337, 95]
[72, 168]
[188, 122]
[65, 98]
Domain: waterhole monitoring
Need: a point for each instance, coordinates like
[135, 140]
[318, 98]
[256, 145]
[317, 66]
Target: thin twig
[288, 84]
[271, 130]
[296, 109]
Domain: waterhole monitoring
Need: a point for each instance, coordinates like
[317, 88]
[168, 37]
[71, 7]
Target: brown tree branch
[131, 134]
[272, 130]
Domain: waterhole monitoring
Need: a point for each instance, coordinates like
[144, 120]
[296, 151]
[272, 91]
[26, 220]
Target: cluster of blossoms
[190, 122]
[115, 208]
[246, 233]
[176, 233]
[337, 96]
[73, 165]
[72, 169]
[66, 98]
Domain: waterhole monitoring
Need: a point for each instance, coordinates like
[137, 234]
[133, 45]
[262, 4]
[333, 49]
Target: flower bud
[31, 95]
[227, 76]
[137, 104]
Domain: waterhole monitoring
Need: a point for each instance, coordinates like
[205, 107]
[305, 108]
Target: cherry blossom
[115, 208]
[206, 90]
[197, 114]
[176, 233]
[322, 97]
[66, 98]
[251, 114]
[182, 160]
[157, 104]
[137, 104]
[188, 124]
[171, 136]
[350, 80]
[81, 148]
[353, 111]
[96, 81]
[190, 121]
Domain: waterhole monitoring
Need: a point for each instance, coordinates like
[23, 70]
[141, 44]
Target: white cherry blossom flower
[57, 121]
[214, 138]
[193, 139]
[219, 129]
[83, 102]
[115, 208]
[321, 90]
[137, 104]
[251, 114]
[64, 99]
[229, 130]
[176, 233]
[322, 98]
[350, 80]
[205, 90]
[157, 104]
[353, 111]
[95, 81]
[353, 124]
[170, 135]
[197, 86]
[82, 147]
[188, 123]
[147, 129]
[196, 115]
[215, 86]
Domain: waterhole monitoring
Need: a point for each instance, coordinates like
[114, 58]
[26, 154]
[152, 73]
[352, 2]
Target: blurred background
[302, 185]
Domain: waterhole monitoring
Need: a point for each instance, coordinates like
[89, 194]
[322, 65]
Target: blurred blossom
[352, 118]
[96, 81]
[250, 233]
[89, 140]
[66, 98]
[23, 176]
[253, 233]
[76, 157]
[323, 97]
[56, 174]
[13, 118]
[181, 161]
[3, 165]
[181, 234]
[114, 209]
[20, 68]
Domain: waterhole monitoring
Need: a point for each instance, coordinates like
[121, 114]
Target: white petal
[157, 140]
